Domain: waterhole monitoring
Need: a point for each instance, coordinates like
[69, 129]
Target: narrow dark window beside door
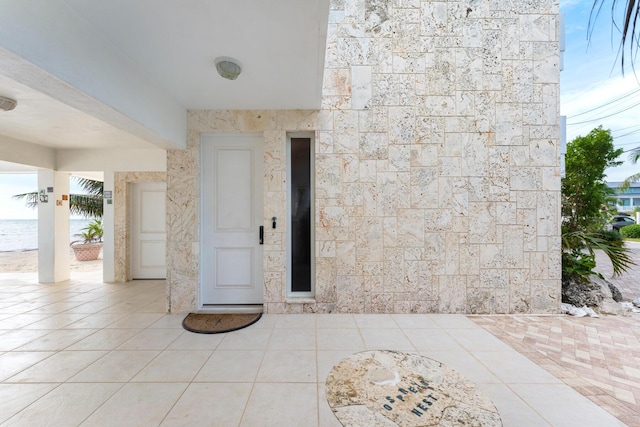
[300, 214]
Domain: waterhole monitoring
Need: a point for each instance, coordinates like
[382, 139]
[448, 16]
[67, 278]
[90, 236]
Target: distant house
[626, 200]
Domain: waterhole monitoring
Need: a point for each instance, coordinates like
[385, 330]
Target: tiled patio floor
[87, 353]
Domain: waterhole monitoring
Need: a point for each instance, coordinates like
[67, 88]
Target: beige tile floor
[93, 354]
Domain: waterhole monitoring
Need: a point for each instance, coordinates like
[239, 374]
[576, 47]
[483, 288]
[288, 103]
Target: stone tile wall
[437, 164]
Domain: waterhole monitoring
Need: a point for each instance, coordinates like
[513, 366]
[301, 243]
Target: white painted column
[108, 215]
[53, 226]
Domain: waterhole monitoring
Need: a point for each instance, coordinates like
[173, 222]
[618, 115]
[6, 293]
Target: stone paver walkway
[598, 357]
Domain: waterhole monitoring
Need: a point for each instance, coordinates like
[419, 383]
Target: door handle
[262, 234]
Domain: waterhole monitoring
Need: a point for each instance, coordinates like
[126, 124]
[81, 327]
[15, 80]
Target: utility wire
[617, 133]
[593, 85]
[606, 104]
[604, 117]
[628, 133]
[613, 106]
[609, 108]
[626, 127]
[628, 143]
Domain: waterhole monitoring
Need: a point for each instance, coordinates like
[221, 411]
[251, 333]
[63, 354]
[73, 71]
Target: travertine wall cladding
[437, 163]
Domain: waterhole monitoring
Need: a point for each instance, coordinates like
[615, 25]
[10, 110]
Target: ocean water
[22, 234]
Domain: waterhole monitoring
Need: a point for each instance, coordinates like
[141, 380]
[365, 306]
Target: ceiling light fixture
[7, 104]
[228, 68]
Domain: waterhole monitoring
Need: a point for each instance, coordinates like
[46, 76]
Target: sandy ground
[27, 262]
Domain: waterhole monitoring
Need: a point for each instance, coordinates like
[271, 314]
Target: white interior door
[148, 233]
[231, 191]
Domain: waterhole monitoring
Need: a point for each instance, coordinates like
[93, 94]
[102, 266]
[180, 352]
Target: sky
[593, 90]
[14, 183]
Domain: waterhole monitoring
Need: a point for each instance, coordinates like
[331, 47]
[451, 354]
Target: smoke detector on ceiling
[7, 104]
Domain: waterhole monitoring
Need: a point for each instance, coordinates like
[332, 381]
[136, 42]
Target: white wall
[108, 226]
[26, 153]
[53, 228]
[134, 160]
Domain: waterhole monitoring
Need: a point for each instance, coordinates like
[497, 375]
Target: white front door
[231, 191]
[148, 233]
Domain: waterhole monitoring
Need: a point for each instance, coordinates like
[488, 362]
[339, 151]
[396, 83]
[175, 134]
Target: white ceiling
[42, 120]
[172, 45]
[175, 43]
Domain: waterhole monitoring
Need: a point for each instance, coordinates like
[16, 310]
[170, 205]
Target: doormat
[392, 389]
[209, 323]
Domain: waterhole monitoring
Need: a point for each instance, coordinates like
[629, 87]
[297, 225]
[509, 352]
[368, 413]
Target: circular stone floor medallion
[392, 389]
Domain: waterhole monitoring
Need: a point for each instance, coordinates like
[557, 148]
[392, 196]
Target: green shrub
[631, 231]
[611, 236]
[579, 265]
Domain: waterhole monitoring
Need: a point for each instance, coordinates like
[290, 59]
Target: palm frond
[634, 155]
[86, 205]
[31, 199]
[624, 186]
[90, 186]
[628, 29]
[615, 250]
[89, 205]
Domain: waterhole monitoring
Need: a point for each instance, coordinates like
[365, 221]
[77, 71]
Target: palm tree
[88, 205]
[629, 32]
